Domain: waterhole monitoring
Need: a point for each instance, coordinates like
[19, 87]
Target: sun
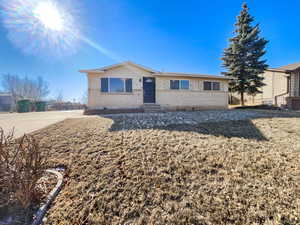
[42, 27]
[49, 16]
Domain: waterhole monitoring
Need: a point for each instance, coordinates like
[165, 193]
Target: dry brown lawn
[236, 172]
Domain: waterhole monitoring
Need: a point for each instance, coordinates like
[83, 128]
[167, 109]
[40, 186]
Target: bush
[22, 164]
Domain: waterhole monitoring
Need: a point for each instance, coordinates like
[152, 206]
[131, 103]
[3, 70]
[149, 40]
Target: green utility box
[24, 105]
[40, 106]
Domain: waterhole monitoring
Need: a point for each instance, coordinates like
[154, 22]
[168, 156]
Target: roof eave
[90, 71]
[191, 76]
[279, 71]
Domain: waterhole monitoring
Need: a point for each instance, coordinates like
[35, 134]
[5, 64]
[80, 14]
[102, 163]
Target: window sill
[116, 93]
[195, 90]
[212, 91]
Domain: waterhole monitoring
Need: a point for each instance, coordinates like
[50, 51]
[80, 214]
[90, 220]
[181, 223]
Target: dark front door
[149, 89]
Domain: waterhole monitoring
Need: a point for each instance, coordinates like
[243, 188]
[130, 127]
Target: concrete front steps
[151, 107]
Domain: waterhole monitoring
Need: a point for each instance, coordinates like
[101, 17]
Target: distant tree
[23, 87]
[243, 56]
[60, 96]
[11, 84]
[42, 88]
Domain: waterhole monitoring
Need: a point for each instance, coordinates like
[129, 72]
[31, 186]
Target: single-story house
[131, 86]
[282, 87]
[6, 101]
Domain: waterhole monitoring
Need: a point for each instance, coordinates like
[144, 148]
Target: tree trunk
[242, 99]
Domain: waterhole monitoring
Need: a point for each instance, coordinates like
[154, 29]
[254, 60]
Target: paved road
[29, 122]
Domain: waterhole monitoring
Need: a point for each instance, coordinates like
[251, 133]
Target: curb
[43, 209]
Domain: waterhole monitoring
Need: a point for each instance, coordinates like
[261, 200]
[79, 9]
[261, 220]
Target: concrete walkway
[29, 122]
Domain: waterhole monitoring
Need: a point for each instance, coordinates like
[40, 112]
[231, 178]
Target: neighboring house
[6, 101]
[131, 86]
[282, 87]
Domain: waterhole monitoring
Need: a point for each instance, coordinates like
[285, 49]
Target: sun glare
[42, 27]
[48, 14]
[46, 28]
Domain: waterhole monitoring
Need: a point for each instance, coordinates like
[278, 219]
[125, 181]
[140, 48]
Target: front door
[149, 89]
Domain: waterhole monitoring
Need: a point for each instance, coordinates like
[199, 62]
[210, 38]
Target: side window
[179, 84]
[185, 84]
[104, 84]
[174, 84]
[211, 86]
[216, 86]
[207, 86]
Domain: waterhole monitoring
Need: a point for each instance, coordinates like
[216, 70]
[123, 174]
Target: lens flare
[41, 27]
[46, 28]
[49, 16]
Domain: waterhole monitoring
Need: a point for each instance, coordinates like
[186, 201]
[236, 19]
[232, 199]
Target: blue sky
[168, 35]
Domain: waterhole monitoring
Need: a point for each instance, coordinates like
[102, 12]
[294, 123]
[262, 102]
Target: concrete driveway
[29, 122]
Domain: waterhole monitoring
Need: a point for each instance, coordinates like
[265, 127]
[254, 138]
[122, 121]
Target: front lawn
[226, 172]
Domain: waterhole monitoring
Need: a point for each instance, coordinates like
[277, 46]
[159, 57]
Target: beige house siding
[195, 98]
[282, 87]
[100, 100]
[276, 89]
[274, 92]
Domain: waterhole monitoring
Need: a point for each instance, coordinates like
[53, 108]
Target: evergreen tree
[243, 56]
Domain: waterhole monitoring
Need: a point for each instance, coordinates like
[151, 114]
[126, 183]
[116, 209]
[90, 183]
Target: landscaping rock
[152, 120]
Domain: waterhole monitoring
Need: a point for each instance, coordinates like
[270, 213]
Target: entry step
[152, 107]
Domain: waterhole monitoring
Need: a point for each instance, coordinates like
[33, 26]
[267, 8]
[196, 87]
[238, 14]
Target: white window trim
[180, 89]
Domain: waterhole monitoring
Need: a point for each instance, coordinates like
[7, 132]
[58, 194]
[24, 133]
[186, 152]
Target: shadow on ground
[243, 128]
[229, 129]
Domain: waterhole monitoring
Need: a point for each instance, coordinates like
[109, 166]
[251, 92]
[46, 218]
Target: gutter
[191, 75]
[278, 71]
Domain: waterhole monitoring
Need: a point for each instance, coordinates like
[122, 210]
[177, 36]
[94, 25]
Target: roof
[127, 64]
[130, 64]
[287, 68]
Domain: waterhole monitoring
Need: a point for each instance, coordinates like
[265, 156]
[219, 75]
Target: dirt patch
[214, 173]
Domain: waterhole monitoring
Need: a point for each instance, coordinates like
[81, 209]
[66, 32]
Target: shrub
[22, 164]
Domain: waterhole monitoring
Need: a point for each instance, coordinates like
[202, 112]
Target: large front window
[179, 84]
[116, 85]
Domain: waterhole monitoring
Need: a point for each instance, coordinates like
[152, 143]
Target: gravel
[152, 120]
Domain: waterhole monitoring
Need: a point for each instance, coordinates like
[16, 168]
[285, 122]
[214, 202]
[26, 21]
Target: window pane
[104, 84]
[207, 85]
[128, 85]
[216, 86]
[174, 84]
[116, 85]
[185, 84]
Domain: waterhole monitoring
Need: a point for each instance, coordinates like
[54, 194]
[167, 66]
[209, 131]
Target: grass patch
[242, 172]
